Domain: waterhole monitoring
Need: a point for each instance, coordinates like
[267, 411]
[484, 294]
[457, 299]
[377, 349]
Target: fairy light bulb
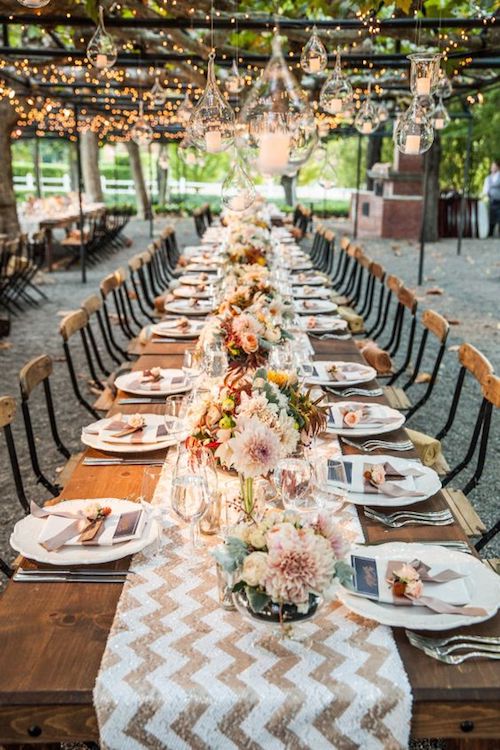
[336, 95]
[424, 73]
[234, 83]
[238, 191]
[101, 50]
[414, 133]
[211, 127]
[158, 94]
[142, 132]
[440, 118]
[185, 109]
[314, 57]
[367, 119]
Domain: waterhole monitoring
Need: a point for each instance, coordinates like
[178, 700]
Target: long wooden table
[53, 636]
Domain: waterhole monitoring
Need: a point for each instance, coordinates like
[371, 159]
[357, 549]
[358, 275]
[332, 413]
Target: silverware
[416, 639]
[445, 653]
[148, 400]
[123, 462]
[453, 544]
[29, 572]
[39, 577]
[459, 659]
[373, 392]
[339, 336]
[443, 518]
[373, 445]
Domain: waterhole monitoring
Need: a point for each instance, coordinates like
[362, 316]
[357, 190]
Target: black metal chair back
[73, 323]
[7, 414]
[437, 326]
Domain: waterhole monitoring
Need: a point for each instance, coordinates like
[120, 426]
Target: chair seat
[354, 321]
[396, 397]
[69, 467]
[464, 512]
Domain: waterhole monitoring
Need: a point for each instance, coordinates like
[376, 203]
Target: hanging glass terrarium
[33, 3]
[238, 190]
[142, 132]
[444, 88]
[414, 133]
[367, 119]
[211, 127]
[234, 83]
[424, 73]
[185, 109]
[158, 94]
[336, 95]
[314, 57]
[281, 125]
[101, 50]
[440, 118]
[383, 112]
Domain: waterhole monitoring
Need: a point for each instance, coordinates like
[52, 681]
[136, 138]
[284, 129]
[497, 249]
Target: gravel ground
[478, 271]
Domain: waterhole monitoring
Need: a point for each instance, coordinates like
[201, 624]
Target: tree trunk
[73, 166]
[431, 230]
[143, 207]
[89, 149]
[373, 155]
[9, 223]
[289, 184]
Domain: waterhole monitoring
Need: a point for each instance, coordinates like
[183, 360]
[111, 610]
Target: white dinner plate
[168, 329]
[309, 291]
[482, 583]
[314, 306]
[427, 484]
[309, 279]
[26, 532]
[192, 279]
[323, 377]
[94, 441]
[326, 324]
[126, 382]
[190, 292]
[300, 265]
[366, 431]
[184, 307]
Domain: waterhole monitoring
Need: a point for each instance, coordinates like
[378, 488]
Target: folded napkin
[346, 372]
[427, 447]
[96, 524]
[359, 474]
[165, 384]
[321, 322]
[354, 321]
[113, 430]
[356, 414]
[376, 357]
[443, 591]
[311, 291]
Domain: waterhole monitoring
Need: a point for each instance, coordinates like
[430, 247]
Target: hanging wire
[212, 25]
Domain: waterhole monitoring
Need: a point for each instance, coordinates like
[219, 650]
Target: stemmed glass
[190, 492]
[293, 479]
[175, 415]
[191, 366]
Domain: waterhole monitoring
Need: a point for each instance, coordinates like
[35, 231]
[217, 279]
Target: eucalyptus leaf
[343, 572]
[257, 599]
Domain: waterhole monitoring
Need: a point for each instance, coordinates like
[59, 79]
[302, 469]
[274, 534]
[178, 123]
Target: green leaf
[257, 599]
[92, 9]
[231, 554]
[343, 572]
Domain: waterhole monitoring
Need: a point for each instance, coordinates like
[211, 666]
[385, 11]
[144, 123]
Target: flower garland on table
[284, 559]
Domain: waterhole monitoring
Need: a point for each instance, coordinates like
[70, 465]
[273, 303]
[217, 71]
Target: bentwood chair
[72, 324]
[35, 374]
[134, 268]
[7, 414]
[435, 325]
[491, 395]
[108, 287]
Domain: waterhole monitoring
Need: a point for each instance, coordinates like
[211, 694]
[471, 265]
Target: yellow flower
[278, 377]
[261, 261]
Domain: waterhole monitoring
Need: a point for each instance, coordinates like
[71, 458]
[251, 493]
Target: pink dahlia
[256, 449]
[325, 526]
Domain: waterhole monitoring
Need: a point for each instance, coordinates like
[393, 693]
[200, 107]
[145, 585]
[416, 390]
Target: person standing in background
[491, 189]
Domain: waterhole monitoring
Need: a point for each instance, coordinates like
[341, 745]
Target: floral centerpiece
[284, 564]
[248, 243]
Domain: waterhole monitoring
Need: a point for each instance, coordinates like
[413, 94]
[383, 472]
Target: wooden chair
[135, 268]
[34, 374]
[407, 305]
[108, 287]
[491, 394]
[73, 323]
[7, 414]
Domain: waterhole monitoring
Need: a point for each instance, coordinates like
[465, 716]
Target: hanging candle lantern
[185, 109]
[414, 133]
[327, 176]
[234, 83]
[33, 3]
[383, 112]
[101, 50]
[158, 94]
[238, 191]
[440, 118]
[314, 57]
[424, 73]
[444, 89]
[211, 126]
[281, 125]
[367, 119]
[142, 132]
[336, 95]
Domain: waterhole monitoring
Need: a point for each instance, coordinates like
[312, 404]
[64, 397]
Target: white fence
[124, 188]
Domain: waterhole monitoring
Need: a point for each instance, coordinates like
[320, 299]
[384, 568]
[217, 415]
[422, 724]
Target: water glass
[190, 493]
[191, 365]
[293, 480]
[175, 415]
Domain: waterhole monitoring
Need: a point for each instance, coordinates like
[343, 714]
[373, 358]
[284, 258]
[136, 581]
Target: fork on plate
[375, 444]
[405, 518]
[373, 392]
[442, 649]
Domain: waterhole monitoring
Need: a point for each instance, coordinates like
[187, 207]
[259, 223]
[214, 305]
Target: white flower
[256, 448]
[255, 568]
[136, 421]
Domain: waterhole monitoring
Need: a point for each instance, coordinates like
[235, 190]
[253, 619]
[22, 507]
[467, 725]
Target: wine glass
[215, 361]
[190, 492]
[175, 414]
[293, 480]
[191, 365]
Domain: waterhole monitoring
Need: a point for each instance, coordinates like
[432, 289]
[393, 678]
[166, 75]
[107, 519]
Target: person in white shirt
[491, 188]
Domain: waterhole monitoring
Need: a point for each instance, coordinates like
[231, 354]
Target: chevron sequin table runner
[180, 672]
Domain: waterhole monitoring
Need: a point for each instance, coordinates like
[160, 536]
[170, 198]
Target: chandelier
[211, 127]
[101, 50]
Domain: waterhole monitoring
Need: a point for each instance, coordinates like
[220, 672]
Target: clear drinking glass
[293, 480]
[175, 415]
[190, 492]
[150, 479]
[191, 365]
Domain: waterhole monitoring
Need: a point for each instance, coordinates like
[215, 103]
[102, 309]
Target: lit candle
[274, 150]
[366, 127]
[412, 144]
[336, 106]
[314, 64]
[439, 123]
[423, 86]
[213, 141]
[238, 202]
[101, 60]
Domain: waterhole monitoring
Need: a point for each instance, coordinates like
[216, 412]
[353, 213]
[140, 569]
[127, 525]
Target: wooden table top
[53, 635]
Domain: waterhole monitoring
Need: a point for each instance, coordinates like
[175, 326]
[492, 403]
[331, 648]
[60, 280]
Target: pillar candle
[213, 141]
[274, 150]
[336, 106]
[439, 123]
[423, 86]
[101, 60]
[412, 144]
[314, 64]
[367, 128]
